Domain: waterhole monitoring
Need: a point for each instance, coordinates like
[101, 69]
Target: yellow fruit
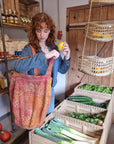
[97, 70]
[60, 45]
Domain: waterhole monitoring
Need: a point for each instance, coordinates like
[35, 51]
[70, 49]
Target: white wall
[50, 7]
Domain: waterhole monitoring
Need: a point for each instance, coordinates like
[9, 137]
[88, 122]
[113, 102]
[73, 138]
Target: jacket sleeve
[35, 61]
[64, 65]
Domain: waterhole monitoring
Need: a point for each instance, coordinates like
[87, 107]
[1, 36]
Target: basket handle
[83, 50]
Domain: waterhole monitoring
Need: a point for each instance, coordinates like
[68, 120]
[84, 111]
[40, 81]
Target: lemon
[97, 70]
[60, 45]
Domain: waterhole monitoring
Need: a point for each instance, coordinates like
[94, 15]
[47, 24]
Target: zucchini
[79, 97]
[80, 100]
[87, 102]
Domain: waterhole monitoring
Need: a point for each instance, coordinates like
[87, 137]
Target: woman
[41, 36]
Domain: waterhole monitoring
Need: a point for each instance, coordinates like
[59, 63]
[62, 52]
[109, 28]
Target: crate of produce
[108, 118]
[88, 89]
[36, 137]
[88, 100]
[85, 114]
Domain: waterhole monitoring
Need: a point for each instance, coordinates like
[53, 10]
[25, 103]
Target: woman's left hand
[66, 50]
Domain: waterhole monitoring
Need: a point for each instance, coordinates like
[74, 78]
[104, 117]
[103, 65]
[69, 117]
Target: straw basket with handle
[100, 32]
[94, 65]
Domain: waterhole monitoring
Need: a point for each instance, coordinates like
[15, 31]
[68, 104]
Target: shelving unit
[9, 58]
[23, 8]
[17, 26]
[3, 91]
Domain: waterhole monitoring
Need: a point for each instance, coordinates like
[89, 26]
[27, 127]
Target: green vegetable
[97, 88]
[50, 137]
[62, 128]
[87, 117]
[58, 132]
[79, 98]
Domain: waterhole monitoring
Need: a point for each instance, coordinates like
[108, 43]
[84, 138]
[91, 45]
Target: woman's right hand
[52, 54]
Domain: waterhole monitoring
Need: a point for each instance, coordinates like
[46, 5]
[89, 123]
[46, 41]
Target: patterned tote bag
[30, 98]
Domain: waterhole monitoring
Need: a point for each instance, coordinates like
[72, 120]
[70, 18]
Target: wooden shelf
[9, 58]
[3, 91]
[17, 26]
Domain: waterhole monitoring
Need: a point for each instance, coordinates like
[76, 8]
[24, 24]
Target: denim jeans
[52, 102]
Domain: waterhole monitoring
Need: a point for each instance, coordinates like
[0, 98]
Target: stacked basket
[94, 65]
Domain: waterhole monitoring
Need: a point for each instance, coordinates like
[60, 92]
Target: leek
[58, 132]
[48, 136]
[55, 139]
[54, 129]
[58, 135]
[59, 123]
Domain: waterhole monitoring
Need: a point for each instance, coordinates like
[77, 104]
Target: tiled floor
[20, 136]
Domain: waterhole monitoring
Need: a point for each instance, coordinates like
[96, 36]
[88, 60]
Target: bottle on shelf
[10, 17]
[15, 18]
[7, 16]
[3, 16]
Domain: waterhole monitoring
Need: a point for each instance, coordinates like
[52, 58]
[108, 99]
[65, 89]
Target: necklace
[44, 48]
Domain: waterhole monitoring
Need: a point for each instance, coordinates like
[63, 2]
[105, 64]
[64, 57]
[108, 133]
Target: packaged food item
[3, 81]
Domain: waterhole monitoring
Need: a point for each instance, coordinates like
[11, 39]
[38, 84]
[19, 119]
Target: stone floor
[20, 136]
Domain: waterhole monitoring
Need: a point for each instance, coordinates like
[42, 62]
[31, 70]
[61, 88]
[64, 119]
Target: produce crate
[102, 96]
[66, 108]
[94, 132]
[96, 99]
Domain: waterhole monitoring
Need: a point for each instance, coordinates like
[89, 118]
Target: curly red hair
[35, 24]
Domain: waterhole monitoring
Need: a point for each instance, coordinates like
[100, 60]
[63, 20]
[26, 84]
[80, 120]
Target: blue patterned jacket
[39, 61]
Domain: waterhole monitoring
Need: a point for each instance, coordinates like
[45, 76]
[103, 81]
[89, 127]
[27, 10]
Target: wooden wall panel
[110, 13]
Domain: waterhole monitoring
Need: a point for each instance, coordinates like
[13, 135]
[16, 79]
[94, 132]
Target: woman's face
[42, 33]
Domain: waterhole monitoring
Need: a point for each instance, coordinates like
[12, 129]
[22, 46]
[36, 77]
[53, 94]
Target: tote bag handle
[36, 70]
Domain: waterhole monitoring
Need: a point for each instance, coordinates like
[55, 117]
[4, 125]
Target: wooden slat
[12, 5]
[110, 13]
[5, 5]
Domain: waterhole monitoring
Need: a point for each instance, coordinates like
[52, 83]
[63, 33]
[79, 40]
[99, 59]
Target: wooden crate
[86, 128]
[94, 132]
[67, 107]
[104, 96]
[29, 10]
[23, 8]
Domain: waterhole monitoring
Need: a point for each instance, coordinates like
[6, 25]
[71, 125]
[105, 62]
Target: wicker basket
[102, 1]
[100, 32]
[96, 66]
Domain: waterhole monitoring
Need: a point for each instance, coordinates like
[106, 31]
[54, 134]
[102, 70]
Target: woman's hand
[66, 51]
[52, 54]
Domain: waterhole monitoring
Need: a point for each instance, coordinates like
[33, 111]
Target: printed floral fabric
[30, 98]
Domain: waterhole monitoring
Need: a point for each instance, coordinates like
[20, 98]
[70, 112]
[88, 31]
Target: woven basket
[95, 66]
[100, 32]
[102, 1]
